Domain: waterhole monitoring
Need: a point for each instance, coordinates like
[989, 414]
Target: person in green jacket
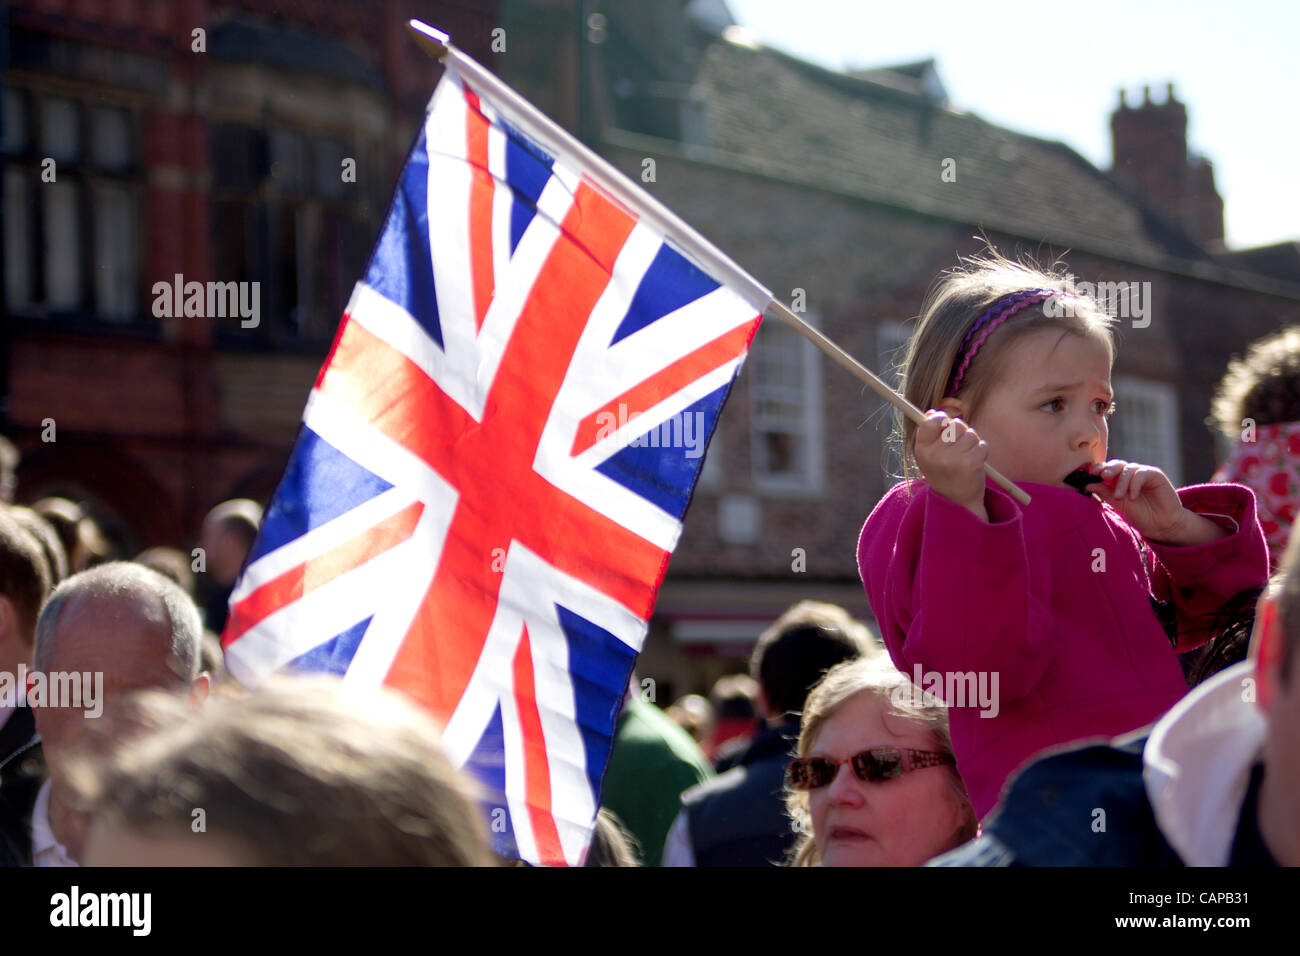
[651, 762]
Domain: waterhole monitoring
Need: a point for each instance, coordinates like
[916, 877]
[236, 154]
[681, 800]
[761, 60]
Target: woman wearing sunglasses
[875, 783]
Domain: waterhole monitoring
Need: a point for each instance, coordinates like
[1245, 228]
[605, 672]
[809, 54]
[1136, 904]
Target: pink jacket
[1077, 650]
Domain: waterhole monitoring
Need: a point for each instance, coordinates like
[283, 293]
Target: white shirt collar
[46, 850]
[1197, 763]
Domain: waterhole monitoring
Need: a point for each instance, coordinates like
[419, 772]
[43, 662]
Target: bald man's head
[125, 622]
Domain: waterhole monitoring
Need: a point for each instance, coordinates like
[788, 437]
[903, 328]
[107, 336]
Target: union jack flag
[468, 514]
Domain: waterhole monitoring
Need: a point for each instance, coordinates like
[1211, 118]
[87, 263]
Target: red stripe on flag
[650, 392]
[537, 768]
[480, 208]
[595, 215]
[319, 571]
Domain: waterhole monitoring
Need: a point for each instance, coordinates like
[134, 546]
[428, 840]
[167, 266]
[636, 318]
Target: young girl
[1050, 603]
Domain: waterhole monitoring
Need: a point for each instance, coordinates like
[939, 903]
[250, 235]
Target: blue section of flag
[599, 666]
[335, 655]
[488, 764]
[671, 282]
[319, 484]
[666, 475]
[527, 170]
[401, 267]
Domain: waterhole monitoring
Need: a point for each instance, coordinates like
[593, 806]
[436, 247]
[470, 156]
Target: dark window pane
[60, 133]
[287, 161]
[781, 453]
[110, 138]
[115, 248]
[62, 246]
[15, 121]
[239, 157]
[329, 168]
[18, 240]
[229, 248]
[285, 270]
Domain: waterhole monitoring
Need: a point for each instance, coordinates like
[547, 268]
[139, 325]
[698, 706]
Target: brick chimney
[1149, 144]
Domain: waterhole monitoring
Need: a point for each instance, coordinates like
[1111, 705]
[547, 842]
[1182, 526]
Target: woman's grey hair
[121, 579]
[901, 700]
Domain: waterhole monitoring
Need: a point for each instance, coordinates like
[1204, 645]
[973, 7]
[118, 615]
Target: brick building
[208, 139]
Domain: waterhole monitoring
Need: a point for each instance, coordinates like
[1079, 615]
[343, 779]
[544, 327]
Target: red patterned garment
[1270, 467]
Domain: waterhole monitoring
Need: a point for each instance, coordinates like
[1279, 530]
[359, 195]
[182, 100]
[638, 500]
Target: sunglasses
[870, 766]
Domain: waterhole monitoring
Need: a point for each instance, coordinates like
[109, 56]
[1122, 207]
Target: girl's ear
[954, 407]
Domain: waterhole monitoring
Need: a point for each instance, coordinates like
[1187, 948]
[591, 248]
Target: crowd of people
[1140, 643]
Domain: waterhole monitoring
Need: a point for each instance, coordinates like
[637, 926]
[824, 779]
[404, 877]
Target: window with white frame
[786, 412]
[284, 216]
[71, 188]
[1144, 427]
[891, 349]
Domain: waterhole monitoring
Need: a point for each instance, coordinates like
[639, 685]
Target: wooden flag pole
[879, 386]
[436, 44]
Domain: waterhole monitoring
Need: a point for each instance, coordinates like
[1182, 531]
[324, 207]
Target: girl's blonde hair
[902, 700]
[952, 305]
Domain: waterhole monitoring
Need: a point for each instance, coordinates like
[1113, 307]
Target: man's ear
[1267, 647]
[200, 688]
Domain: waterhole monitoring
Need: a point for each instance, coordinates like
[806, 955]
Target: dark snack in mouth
[1080, 479]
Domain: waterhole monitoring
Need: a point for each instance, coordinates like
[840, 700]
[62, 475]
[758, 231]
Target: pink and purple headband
[984, 326]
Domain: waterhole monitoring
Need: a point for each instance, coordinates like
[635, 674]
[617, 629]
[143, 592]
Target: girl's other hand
[1145, 496]
[951, 456]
